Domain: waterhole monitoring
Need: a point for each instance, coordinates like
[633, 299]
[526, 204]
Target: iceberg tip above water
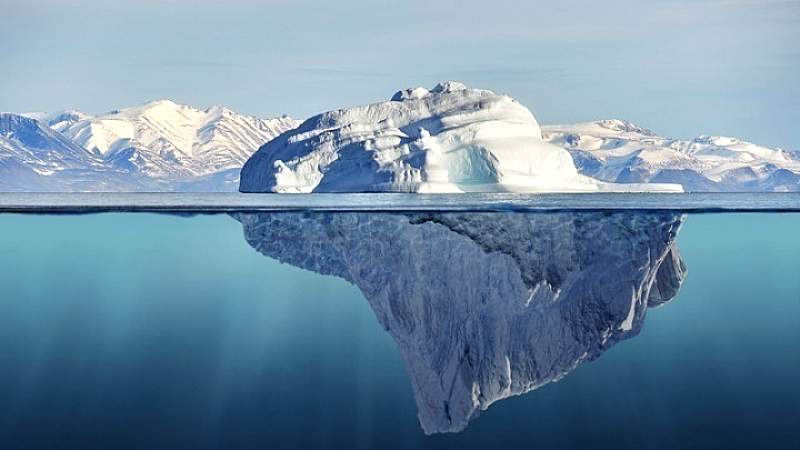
[449, 139]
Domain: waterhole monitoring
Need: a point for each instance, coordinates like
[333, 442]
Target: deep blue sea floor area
[160, 331]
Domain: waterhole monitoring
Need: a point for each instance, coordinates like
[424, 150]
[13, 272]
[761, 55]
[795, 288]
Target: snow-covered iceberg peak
[449, 139]
[484, 306]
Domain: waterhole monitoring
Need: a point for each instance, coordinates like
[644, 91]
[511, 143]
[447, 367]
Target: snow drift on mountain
[618, 151]
[449, 139]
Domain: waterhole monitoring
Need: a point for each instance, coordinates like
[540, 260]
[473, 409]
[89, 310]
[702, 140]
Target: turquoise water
[158, 331]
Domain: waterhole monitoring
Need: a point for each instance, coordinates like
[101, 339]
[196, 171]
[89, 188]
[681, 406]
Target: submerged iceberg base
[484, 306]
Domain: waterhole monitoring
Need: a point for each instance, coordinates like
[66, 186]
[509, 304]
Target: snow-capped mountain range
[159, 146]
[621, 152]
[448, 139]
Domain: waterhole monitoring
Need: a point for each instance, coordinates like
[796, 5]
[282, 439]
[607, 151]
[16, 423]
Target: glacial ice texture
[484, 306]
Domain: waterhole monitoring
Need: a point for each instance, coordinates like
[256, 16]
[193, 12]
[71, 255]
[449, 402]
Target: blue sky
[680, 67]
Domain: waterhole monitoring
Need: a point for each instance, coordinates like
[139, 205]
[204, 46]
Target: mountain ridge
[160, 145]
[705, 163]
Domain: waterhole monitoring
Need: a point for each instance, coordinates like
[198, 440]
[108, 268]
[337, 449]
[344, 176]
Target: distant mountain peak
[194, 141]
[158, 145]
[165, 103]
[31, 132]
[60, 119]
[618, 151]
[623, 126]
[40, 148]
[721, 141]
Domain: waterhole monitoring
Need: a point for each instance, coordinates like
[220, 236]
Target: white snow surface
[449, 139]
[619, 151]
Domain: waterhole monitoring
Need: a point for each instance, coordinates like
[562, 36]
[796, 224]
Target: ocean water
[235, 201]
[144, 330]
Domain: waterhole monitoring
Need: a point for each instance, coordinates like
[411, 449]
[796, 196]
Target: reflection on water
[484, 306]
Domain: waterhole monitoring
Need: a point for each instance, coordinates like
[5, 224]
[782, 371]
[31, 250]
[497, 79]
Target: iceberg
[446, 140]
[484, 306]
